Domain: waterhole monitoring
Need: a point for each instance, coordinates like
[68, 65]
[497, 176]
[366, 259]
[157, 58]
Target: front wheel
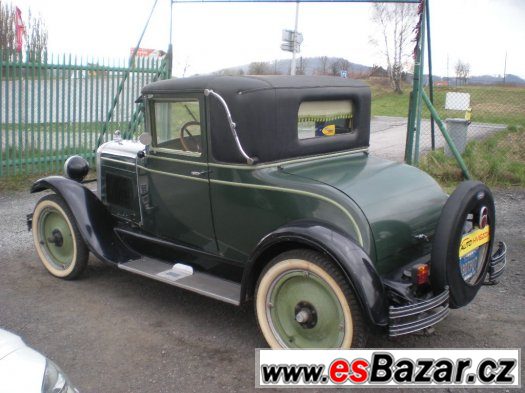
[58, 243]
[304, 301]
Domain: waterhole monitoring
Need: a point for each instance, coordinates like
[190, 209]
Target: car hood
[9, 343]
[21, 368]
[399, 201]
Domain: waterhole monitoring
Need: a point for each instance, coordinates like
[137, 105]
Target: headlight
[55, 381]
[76, 168]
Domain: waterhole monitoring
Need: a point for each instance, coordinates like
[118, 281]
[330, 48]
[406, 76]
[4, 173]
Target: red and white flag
[20, 29]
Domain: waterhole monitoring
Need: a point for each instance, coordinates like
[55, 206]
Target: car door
[176, 166]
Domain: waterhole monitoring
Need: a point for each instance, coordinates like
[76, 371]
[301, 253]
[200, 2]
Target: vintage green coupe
[262, 188]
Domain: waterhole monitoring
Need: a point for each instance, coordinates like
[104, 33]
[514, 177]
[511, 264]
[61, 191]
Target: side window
[319, 119]
[177, 125]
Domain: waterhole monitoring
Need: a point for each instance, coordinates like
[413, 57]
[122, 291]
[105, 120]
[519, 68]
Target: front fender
[351, 258]
[95, 223]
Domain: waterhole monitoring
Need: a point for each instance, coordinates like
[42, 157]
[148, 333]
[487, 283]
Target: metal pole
[430, 77]
[505, 68]
[170, 47]
[447, 137]
[415, 96]
[121, 84]
[420, 90]
[292, 68]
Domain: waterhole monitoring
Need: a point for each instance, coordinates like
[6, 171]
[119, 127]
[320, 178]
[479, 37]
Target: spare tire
[462, 245]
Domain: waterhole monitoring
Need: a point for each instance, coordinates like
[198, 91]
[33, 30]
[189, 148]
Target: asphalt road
[388, 136]
[112, 331]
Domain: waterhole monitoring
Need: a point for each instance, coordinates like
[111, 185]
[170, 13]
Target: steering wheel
[193, 144]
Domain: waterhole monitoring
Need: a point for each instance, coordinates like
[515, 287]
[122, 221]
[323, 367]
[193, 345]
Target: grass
[490, 104]
[498, 161]
[23, 181]
[21, 167]
[20, 182]
[59, 127]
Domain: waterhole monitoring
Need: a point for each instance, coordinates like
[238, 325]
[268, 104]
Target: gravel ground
[112, 331]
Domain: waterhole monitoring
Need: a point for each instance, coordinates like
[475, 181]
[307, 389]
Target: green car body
[237, 183]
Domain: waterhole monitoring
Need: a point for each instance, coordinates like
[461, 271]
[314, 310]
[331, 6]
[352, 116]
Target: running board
[183, 276]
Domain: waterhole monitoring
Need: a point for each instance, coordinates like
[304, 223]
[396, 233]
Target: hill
[333, 66]
[309, 65]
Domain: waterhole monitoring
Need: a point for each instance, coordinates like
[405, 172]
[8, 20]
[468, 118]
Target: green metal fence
[59, 106]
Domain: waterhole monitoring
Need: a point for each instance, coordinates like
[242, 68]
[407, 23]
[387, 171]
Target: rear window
[323, 119]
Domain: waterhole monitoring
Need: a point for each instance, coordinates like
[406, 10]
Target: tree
[462, 72]
[301, 67]
[338, 65]
[230, 72]
[323, 65]
[35, 34]
[36, 41]
[7, 31]
[259, 68]
[395, 22]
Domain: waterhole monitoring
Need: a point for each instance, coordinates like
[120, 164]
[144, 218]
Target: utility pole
[292, 70]
[505, 68]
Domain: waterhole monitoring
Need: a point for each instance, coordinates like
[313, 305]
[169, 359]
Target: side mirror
[145, 138]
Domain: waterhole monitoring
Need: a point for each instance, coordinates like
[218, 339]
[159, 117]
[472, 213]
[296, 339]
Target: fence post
[421, 82]
[446, 135]
[1, 114]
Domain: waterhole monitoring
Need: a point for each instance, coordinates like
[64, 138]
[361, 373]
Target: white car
[24, 370]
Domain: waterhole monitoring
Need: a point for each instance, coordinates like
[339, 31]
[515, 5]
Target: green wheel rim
[289, 293]
[56, 238]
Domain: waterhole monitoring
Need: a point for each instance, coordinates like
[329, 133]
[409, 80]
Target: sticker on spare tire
[471, 241]
[468, 264]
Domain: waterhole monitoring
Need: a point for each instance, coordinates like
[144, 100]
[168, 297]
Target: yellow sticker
[474, 240]
[329, 130]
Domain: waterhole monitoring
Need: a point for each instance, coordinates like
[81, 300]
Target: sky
[209, 37]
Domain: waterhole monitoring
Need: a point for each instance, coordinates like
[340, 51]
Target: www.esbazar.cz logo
[409, 368]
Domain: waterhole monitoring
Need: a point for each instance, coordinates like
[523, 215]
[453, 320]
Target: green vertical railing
[58, 107]
[418, 98]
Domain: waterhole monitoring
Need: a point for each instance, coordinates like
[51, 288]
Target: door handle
[199, 173]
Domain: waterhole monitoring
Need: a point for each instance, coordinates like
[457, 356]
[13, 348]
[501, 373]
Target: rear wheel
[304, 301]
[57, 240]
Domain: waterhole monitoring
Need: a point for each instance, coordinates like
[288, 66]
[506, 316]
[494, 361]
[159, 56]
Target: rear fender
[352, 259]
[93, 219]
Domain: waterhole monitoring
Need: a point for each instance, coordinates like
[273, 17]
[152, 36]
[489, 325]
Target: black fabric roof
[243, 84]
[265, 110]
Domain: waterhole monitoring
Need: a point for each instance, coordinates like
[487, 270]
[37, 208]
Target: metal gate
[59, 107]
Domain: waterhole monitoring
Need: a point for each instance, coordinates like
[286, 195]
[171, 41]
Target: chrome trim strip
[173, 174]
[497, 273]
[177, 160]
[417, 308]
[175, 151]
[117, 161]
[287, 162]
[414, 326]
[498, 262]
